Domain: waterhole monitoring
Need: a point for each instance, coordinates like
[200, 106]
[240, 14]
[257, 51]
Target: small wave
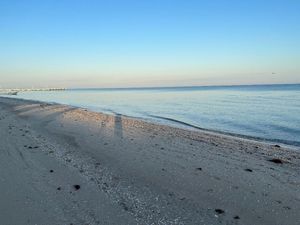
[287, 142]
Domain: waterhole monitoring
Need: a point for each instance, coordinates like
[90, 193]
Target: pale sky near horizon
[121, 43]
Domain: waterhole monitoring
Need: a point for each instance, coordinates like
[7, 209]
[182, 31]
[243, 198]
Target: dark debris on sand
[275, 160]
[219, 211]
[76, 186]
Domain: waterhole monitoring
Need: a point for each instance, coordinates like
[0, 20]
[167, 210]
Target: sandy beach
[65, 165]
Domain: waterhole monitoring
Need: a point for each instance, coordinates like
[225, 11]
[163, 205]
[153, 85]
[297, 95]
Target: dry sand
[129, 171]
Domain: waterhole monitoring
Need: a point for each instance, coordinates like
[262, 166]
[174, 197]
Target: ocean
[263, 112]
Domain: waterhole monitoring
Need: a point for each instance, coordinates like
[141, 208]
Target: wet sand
[67, 165]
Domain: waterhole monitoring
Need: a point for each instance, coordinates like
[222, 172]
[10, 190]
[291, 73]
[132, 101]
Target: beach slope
[65, 165]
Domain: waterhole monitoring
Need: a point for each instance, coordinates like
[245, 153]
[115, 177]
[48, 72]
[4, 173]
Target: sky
[127, 43]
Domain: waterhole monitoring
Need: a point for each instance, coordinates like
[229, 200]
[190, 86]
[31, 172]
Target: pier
[15, 91]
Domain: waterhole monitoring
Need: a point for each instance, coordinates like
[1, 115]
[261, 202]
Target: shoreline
[178, 124]
[83, 167]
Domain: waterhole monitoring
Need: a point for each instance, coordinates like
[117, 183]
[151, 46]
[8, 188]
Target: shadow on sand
[118, 127]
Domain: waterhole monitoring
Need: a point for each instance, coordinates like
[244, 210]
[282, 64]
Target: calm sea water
[269, 112]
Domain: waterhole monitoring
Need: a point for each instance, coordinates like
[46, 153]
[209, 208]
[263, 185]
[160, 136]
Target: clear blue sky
[120, 43]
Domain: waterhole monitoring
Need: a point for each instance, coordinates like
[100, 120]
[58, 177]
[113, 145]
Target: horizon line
[152, 87]
[185, 86]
